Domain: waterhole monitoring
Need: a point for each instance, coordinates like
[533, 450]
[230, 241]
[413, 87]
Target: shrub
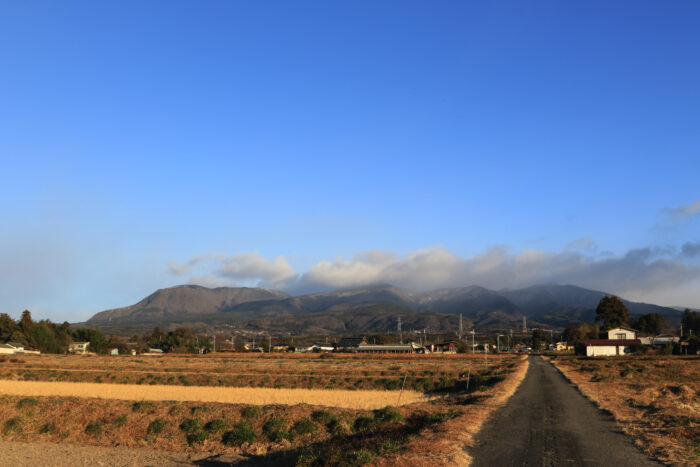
[156, 426]
[389, 446]
[323, 416]
[199, 408]
[252, 411]
[364, 424]
[47, 428]
[142, 406]
[196, 437]
[304, 426]
[388, 414]
[307, 460]
[243, 432]
[13, 425]
[27, 402]
[337, 428]
[95, 428]
[120, 421]
[276, 430]
[215, 425]
[190, 425]
[360, 457]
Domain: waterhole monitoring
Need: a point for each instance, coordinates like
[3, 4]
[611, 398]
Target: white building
[79, 347]
[11, 348]
[622, 333]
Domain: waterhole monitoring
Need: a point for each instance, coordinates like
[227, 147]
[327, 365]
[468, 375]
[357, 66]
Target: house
[322, 347]
[153, 352]
[11, 348]
[609, 347]
[114, 351]
[443, 347]
[562, 346]
[349, 344]
[663, 339]
[622, 332]
[79, 347]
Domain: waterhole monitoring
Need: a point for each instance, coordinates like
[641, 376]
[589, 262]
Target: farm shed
[394, 348]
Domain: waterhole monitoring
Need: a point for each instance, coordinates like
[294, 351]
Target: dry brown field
[321, 371]
[439, 420]
[655, 399]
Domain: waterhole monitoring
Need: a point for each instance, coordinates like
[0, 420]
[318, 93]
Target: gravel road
[548, 422]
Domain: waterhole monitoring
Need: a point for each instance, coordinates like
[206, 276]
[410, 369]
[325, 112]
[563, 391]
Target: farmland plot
[354, 427]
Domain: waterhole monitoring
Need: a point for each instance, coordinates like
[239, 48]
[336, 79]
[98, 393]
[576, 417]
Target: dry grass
[654, 399]
[365, 400]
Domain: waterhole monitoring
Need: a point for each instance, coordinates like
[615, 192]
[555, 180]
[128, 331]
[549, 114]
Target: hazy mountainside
[370, 318]
[185, 300]
[369, 309]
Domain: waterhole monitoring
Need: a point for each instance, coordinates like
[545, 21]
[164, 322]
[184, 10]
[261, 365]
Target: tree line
[49, 337]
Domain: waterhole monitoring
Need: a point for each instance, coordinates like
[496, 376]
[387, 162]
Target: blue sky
[313, 145]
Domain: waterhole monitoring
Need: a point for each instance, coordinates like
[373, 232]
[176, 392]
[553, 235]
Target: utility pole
[214, 351]
[524, 323]
[400, 333]
[473, 345]
[460, 327]
[269, 343]
[498, 342]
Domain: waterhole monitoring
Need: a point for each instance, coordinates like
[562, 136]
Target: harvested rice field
[366, 399]
[289, 410]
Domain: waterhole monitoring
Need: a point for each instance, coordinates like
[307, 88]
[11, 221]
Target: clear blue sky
[134, 135]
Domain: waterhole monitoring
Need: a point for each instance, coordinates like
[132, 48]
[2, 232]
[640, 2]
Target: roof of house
[351, 341]
[622, 327]
[612, 342]
[7, 346]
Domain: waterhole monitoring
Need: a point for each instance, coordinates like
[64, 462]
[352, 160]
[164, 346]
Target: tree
[691, 322]
[612, 312]
[7, 327]
[580, 332]
[650, 324]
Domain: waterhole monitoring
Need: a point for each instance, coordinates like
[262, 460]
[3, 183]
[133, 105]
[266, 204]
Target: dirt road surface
[548, 422]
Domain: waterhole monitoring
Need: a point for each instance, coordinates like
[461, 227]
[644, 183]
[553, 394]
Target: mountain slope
[185, 300]
[350, 310]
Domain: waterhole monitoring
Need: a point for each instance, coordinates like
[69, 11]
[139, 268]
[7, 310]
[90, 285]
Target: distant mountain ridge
[367, 309]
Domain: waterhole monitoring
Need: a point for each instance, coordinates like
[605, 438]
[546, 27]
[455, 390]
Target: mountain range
[368, 309]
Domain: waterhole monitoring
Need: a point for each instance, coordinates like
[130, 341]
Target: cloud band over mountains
[659, 275]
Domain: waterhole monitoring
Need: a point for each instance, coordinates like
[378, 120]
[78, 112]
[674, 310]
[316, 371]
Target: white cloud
[252, 266]
[685, 211]
[643, 273]
[178, 269]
